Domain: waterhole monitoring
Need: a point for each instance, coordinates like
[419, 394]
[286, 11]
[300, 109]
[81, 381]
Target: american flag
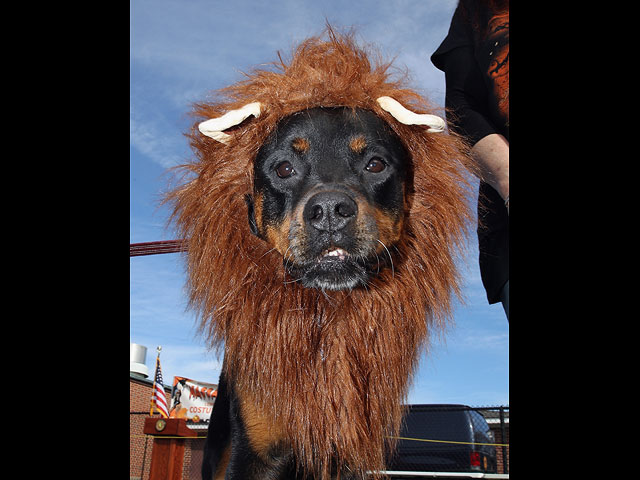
[158, 398]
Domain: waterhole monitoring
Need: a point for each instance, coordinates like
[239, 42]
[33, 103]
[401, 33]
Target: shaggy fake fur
[330, 370]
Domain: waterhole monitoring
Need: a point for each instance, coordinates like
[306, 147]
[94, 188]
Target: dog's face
[329, 191]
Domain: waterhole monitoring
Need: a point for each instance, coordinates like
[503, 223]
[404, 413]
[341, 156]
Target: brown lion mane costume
[329, 370]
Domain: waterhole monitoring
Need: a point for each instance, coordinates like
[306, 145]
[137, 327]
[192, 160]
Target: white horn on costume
[215, 127]
[400, 113]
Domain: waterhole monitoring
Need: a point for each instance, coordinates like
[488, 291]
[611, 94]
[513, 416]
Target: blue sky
[181, 51]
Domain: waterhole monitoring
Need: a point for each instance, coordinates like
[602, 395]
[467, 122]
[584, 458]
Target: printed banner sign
[192, 400]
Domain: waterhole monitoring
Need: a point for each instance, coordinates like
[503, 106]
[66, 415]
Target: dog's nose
[330, 211]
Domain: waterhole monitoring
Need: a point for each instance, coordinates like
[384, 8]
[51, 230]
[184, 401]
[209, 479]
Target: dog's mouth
[335, 269]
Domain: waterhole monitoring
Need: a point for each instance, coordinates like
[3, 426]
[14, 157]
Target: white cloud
[150, 138]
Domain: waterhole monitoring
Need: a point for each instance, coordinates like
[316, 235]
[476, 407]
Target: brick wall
[497, 434]
[140, 447]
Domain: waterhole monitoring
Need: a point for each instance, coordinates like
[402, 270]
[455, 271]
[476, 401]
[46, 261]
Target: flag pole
[153, 390]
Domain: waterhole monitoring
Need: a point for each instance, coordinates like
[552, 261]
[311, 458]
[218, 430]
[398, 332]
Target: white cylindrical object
[137, 358]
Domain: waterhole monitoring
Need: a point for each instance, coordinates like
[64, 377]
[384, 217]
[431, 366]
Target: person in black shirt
[475, 59]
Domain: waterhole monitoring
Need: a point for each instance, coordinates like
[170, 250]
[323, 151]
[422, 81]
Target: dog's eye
[375, 165]
[285, 170]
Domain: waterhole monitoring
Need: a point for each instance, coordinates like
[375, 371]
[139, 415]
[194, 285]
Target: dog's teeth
[337, 252]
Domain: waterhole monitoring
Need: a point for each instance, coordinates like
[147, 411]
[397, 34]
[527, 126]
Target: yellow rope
[451, 441]
[398, 438]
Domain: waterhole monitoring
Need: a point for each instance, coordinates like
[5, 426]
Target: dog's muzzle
[336, 251]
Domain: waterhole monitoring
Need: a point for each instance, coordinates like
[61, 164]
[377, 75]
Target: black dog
[329, 185]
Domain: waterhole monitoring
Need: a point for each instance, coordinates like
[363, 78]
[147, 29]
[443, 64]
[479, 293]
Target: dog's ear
[251, 214]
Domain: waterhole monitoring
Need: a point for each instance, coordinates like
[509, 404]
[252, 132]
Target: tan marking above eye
[300, 145]
[358, 144]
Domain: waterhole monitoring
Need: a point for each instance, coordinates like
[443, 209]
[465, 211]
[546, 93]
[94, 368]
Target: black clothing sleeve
[466, 96]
